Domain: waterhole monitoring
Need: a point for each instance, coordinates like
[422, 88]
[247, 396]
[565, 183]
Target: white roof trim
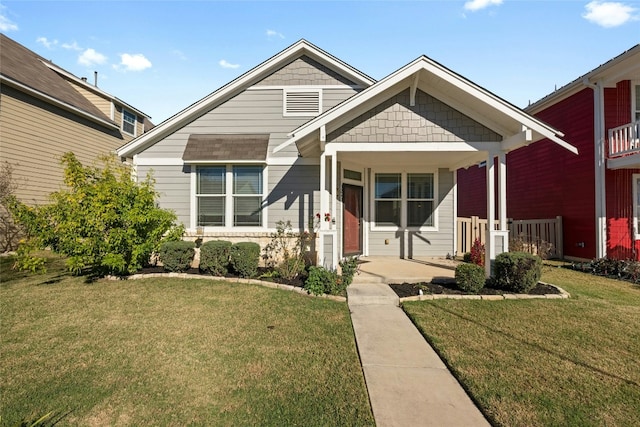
[540, 129]
[243, 82]
[65, 106]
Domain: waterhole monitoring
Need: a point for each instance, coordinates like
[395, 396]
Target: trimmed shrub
[214, 257]
[323, 281]
[517, 271]
[245, 257]
[470, 277]
[177, 256]
[466, 257]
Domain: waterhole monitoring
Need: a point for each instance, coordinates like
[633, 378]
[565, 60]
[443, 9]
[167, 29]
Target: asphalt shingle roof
[244, 147]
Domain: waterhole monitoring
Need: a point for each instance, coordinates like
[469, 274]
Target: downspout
[600, 166]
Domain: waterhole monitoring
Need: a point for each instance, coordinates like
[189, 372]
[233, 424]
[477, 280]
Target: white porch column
[497, 240]
[489, 245]
[334, 204]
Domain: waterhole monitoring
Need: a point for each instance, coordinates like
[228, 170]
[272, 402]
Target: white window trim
[135, 122]
[286, 91]
[228, 227]
[403, 200]
[634, 199]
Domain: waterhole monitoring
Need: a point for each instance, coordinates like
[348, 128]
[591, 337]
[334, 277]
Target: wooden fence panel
[538, 236]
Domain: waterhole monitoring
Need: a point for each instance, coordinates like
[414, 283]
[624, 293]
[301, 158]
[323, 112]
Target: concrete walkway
[408, 384]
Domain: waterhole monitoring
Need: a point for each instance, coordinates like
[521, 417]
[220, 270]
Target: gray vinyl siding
[253, 111]
[293, 195]
[173, 183]
[423, 243]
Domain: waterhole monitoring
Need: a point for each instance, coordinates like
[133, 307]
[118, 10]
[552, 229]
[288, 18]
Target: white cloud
[90, 57]
[134, 62]
[6, 24]
[609, 14]
[272, 34]
[71, 46]
[225, 64]
[474, 5]
[46, 42]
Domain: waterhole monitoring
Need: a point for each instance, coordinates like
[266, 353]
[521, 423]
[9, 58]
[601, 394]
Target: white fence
[537, 236]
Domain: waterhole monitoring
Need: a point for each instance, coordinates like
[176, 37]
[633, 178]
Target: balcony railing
[624, 140]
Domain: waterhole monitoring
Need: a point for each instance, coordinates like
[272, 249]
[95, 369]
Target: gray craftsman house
[304, 135]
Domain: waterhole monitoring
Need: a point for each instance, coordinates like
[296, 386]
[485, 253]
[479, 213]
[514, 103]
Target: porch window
[229, 196]
[419, 199]
[388, 199]
[636, 106]
[404, 200]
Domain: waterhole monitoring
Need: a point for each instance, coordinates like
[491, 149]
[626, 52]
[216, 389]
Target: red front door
[352, 224]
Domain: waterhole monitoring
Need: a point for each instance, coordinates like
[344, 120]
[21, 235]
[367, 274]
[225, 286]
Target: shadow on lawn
[530, 344]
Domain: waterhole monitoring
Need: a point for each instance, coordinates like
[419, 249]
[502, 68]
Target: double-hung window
[211, 196]
[388, 198]
[129, 122]
[404, 200]
[247, 196]
[419, 199]
[229, 196]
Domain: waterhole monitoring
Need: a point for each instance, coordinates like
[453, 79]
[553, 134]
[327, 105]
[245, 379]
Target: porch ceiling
[433, 159]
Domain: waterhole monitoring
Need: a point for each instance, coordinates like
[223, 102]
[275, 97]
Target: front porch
[623, 146]
[387, 270]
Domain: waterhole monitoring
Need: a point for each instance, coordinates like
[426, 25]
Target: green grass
[573, 362]
[174, 352]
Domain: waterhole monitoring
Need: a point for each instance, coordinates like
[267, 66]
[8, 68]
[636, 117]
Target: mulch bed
[449, 287]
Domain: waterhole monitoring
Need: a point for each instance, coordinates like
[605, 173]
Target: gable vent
[302, 102]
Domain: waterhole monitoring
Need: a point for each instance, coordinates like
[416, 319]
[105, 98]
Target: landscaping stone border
[426, 297]
[263, 283]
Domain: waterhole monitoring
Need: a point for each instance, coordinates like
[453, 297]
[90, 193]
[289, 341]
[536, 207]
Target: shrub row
[216, 257]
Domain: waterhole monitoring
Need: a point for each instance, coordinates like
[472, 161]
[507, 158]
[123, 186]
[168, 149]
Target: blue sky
[161, 56]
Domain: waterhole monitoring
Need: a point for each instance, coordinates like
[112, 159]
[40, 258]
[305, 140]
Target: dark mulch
[263, 274]
[449, 287]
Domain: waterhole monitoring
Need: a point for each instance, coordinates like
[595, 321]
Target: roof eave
[57, 102]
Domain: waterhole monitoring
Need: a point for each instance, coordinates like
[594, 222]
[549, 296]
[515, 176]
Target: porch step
[371, 293]
[364, 277]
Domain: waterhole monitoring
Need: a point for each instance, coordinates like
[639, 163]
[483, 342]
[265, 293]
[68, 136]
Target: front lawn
[545, 362]
[174, 352]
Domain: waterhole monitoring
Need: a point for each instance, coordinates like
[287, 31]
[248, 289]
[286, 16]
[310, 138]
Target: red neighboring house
[597, 192]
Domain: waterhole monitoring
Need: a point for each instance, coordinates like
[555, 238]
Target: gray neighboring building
[307, 138]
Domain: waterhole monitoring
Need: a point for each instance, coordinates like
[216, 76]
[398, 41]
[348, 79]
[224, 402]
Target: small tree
[104, 222]
[477, 253]
[10, 232]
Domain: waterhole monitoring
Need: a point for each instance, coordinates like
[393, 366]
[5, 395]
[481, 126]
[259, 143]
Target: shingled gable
[246, 80]
[515, 126]
[225, 148]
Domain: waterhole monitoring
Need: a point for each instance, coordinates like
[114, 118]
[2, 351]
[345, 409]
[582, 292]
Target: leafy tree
[104, 222]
